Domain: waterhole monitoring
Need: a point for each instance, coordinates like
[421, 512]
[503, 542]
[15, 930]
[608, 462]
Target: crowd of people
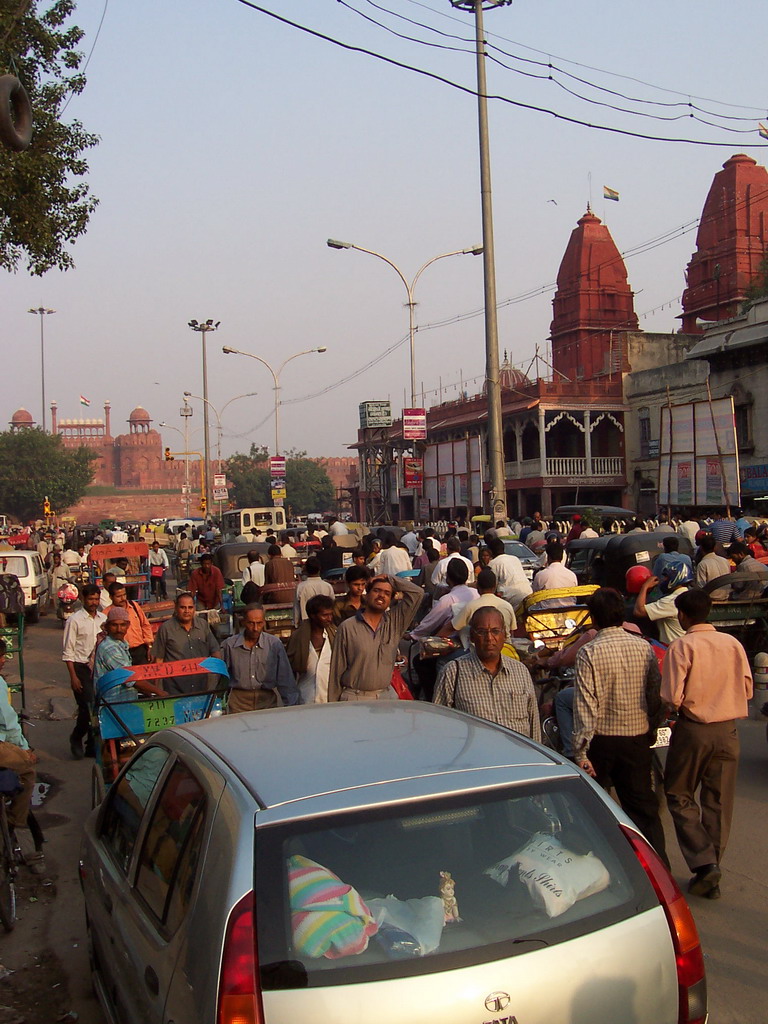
[402, 589]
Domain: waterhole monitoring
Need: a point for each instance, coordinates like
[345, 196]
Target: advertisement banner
[413, 472]
[424, 512]
[414, 424]
[461, 496]
[684, 483]
[698, 454]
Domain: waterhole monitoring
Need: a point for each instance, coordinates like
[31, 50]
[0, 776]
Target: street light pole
[185, 434]
[275, 378]
[41, 311]
[188, 394]
[476, 250]
[493, 384]
[203, 329]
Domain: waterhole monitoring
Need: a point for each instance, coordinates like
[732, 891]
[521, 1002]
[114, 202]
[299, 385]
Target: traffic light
[203, 504]
[46, 507]
[168, 456]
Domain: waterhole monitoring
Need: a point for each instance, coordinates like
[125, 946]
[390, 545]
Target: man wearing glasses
[488, 684]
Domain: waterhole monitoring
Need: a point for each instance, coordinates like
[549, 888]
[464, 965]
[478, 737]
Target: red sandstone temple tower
[592, 302]
[730, 243]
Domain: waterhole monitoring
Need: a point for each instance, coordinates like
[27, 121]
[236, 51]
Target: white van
[28, 566]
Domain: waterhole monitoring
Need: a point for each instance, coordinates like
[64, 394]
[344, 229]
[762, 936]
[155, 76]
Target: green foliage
[43, 207]
[758, 287]
[34, 464]
[308, 485]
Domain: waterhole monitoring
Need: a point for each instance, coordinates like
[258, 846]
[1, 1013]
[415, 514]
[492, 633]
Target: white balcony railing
[566, 467]
[612, 465]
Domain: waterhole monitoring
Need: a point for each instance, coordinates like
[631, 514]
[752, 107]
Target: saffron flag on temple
[610, 193]
[762, 130]
[84, 400]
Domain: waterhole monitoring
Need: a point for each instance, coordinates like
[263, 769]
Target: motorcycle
[67, 597]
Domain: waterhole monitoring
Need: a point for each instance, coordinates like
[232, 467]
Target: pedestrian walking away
[617, 677]
[706, 678]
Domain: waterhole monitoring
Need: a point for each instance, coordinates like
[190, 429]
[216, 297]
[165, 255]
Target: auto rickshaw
[231, 560]
[102, 557]
[604, 560]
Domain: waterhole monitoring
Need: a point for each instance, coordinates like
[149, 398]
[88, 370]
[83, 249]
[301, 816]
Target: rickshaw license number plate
[663, 736]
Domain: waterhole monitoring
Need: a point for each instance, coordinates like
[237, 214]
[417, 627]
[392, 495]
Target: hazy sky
[233, 146]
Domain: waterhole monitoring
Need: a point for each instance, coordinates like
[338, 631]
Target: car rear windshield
[514, 547]
[16, 565]
[439, 884]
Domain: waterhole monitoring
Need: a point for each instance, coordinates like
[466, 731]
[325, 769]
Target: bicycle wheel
[7, 875]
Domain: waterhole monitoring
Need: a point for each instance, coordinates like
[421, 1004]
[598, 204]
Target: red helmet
[635, 578]
[699, 535]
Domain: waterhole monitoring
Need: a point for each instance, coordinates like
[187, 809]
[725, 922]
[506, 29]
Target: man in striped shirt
[486, 683]
[615, 674]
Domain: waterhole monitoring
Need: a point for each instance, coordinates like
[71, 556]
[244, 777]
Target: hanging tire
[15, 114]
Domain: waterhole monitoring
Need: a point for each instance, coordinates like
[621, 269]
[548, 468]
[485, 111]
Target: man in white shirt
[453, 546]
[689, 528]
[80, 634]
[711, 566]
[310, 587]
[555, 576]
[486, 589]
[337, 529]
[411, 541]
[513, 583]
[286, 548]
[675, 578]
[393, 558]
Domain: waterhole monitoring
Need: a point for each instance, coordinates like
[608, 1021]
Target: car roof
[288, 754]
[606, 511]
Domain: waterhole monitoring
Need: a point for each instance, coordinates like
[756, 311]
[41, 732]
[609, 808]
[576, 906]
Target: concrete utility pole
[493, 385]
[203, 329]
[42, 312]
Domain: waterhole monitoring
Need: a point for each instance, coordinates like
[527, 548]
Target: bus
[243, 520]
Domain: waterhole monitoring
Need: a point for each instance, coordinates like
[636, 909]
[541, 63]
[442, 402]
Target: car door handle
[150, 980]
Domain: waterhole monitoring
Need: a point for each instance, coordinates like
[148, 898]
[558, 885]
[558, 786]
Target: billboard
[413, 472]
[698, 454]
[414, 424]
[375, 414]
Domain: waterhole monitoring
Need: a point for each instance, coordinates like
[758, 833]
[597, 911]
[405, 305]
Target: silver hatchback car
[377, 862]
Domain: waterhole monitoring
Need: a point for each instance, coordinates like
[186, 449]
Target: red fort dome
[21, 418]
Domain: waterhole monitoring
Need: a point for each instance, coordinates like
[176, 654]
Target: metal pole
[186, 467]
[495, 450]
[412, 339]
[206, 438]
[42, 363]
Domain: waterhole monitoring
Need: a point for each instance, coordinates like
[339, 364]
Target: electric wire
[473, 92]
[549, 77]
[591, 67]
[90, 54]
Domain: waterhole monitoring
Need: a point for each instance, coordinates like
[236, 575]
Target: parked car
[28, 566]
[376, 862]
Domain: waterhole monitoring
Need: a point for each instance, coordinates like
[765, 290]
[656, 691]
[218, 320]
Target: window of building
[743, 415]
[645, 432]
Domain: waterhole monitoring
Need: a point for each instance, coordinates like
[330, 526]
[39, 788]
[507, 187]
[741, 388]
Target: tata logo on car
[496, 1002]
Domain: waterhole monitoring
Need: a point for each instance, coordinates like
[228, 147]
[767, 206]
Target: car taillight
[691, 978]
[34, 594]
[239, 990]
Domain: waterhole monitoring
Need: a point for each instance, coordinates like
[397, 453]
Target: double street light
[275, 378]
[203, 329]
[42, 312]
[476, 250]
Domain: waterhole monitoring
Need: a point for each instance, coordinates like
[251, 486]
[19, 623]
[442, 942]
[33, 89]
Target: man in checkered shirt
[611, 739]
[486, 683]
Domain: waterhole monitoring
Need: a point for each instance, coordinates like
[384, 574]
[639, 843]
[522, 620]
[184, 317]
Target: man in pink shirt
[706, 678]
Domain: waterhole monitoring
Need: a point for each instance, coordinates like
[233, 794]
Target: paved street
[52, 927]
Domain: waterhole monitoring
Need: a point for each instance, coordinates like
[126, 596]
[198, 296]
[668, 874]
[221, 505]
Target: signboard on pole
[277, 466]
[424, 512]
[219, 480]
[220, 494]
[375, 414]
[413, 472]
[414, 424]
[698, 454]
